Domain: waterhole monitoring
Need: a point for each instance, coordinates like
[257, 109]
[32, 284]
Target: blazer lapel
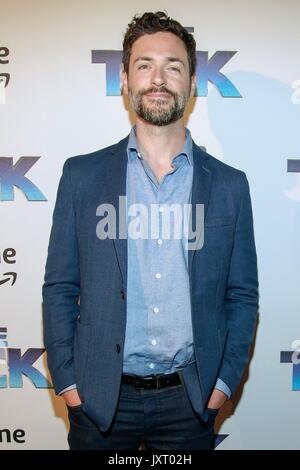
[202, 179]
[117, 187]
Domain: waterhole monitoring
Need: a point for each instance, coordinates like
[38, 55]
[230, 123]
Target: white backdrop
[55, 105]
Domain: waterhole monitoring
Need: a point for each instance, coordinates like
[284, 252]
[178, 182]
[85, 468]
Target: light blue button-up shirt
[159, 335]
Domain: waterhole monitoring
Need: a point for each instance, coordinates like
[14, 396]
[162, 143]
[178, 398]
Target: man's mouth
[158, 95]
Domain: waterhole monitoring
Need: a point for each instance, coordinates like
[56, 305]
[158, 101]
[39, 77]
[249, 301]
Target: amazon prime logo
[9, 277]
[9, 436]
[4, 77]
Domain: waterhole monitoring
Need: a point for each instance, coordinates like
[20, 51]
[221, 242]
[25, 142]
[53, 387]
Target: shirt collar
[133, 150]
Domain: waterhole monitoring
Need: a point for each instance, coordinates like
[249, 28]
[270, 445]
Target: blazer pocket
[218, 221]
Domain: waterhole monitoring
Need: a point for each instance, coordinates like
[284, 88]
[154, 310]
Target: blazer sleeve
[241, 299]
[61, 287]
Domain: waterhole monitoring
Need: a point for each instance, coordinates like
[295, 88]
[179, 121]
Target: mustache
[162, 89]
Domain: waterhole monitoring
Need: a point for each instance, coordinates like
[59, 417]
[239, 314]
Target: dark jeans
[161, 419]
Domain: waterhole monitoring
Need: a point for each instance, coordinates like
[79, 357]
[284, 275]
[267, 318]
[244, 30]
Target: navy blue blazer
[84, 292]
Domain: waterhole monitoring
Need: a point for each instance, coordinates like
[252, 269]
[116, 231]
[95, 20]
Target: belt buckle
[137, 385]
[151, 379]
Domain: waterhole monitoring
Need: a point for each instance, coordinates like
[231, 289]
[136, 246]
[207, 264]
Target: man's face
[158, 84]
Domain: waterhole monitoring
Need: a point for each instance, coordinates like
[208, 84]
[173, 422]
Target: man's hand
[217, 399]
[71, 398]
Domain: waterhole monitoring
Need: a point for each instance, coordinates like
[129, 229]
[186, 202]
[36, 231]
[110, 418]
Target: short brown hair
[150, 23]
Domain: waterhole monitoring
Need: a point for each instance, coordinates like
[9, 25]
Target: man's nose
[158, 77]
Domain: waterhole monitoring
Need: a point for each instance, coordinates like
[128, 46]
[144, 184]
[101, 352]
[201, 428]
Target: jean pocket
[75, 408]
[213, 411]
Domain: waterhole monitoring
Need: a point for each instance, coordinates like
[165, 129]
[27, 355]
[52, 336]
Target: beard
[159, 112]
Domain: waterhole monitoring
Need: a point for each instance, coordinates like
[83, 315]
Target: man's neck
[159, 144]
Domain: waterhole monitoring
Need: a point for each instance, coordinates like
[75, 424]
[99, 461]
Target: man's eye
[175, 68]
[143, 66]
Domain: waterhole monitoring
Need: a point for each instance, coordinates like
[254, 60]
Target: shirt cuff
[71, 387]
[220, 385]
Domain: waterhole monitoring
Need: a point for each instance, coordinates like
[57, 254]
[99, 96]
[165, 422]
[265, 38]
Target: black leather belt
[154, 382]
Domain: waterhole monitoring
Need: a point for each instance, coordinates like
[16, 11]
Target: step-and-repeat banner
[60, 96]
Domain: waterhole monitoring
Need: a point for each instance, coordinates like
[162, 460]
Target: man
[147, 337]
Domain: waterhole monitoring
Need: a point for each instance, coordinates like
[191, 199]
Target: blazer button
[122, 294]
[118, 347]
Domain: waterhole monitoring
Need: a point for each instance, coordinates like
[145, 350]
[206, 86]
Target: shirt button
[153, 342]
[159, 242]
[156, 309]
[151, 365]
[158, 275]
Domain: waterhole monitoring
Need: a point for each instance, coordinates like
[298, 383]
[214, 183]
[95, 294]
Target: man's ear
[123, 81]
[193, 85]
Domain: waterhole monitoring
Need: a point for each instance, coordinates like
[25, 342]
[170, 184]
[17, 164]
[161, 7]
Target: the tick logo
[293, 357]
[14, 365]
[293, 166]
[208, 70]
[12, 175]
